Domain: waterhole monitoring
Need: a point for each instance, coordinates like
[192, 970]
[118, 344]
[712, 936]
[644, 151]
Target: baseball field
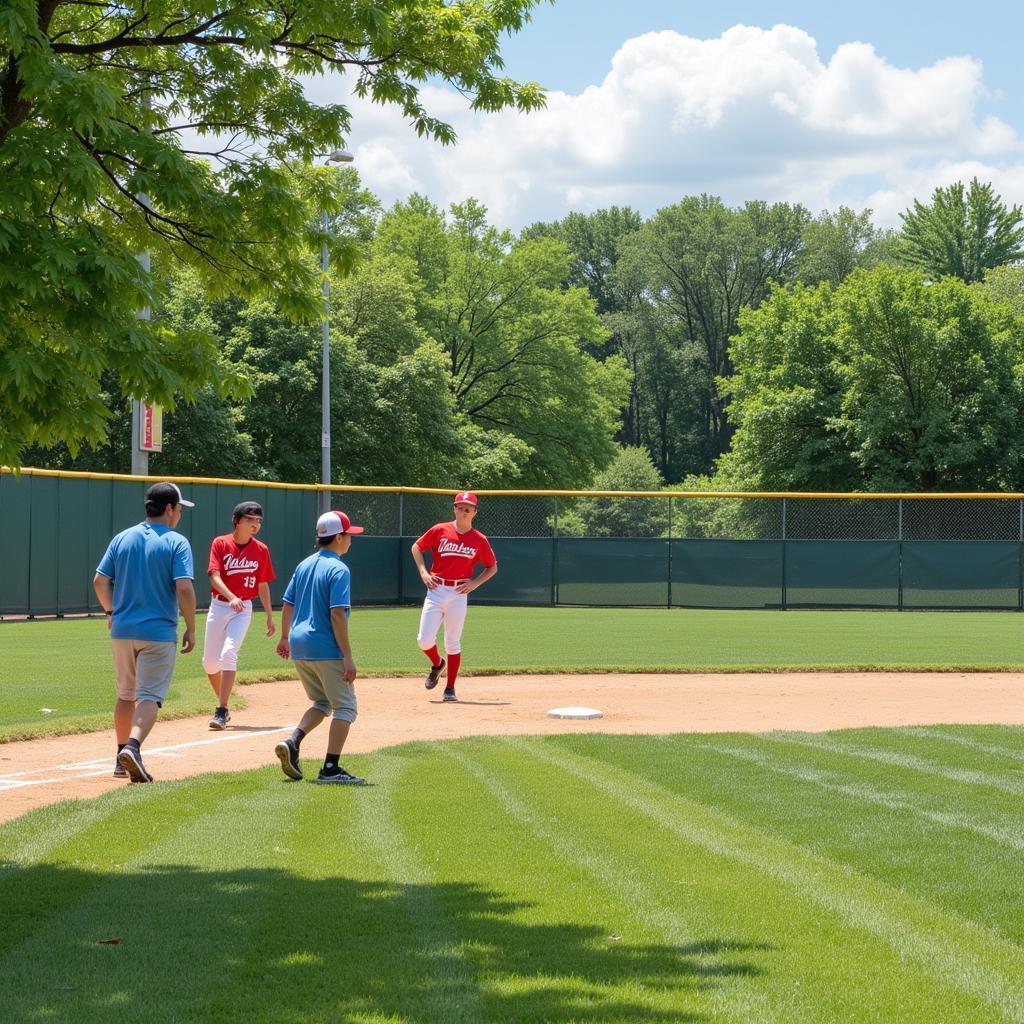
[851, 875]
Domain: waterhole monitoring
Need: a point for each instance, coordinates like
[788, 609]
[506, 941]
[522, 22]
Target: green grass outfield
[860, 876]
[66, 666]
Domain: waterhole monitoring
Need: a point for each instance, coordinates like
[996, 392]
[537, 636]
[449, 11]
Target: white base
[580, 713]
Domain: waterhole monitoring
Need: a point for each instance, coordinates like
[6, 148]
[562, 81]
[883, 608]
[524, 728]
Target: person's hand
[465, 587]
[429, 579]
[237, 604]
[270, 625]
[284, 649]
[348, 668]
[188, 641]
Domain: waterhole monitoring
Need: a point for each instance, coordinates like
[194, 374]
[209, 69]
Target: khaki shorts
[326, 688]
[143, 669]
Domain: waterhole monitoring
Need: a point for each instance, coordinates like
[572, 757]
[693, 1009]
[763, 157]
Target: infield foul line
[101, 766]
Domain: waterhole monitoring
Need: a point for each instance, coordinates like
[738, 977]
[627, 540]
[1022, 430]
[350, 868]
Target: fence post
[784, 500]
[669, 604]
[554, 558]
[899, 555]
[401, 534]
[1020, 556]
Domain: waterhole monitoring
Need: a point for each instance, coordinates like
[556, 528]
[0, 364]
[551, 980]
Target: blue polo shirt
[143, 562]
[319, 583]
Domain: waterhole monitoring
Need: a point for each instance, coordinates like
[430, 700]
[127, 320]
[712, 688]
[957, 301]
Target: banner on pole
[151, 428]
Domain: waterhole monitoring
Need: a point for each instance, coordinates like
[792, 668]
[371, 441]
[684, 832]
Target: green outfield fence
[665, 549]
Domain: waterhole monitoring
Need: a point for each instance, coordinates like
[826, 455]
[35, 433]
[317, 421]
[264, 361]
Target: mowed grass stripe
[903, 851]
[954, 952]
[643, 910]
[972, 743]
[899, 802]
[909, 762]
[449, 992]
[551, 945]
[181, 906]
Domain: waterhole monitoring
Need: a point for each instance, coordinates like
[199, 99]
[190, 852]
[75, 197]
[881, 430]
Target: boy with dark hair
[143, 577]
[239, 569]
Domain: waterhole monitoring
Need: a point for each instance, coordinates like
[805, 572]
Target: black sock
[133, 744]
[298, 735]
[120, 747]
[224, 708]
[331, 762]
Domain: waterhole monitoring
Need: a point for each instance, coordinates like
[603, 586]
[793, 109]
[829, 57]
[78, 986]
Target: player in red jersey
[239, 569]
[455, 550]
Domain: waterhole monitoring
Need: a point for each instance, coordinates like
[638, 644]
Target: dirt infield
[34, 773]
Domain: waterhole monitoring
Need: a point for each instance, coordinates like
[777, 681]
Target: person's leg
[213, 641]
[234, 636]
[154, 668]
[124, 705]
[287, 751]
[430, 621]
[454, 620]
[342, 696]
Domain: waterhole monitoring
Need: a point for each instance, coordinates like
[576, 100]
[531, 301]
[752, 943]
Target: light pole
[339, 156]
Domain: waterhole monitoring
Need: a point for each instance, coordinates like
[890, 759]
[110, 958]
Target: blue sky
[866, 104]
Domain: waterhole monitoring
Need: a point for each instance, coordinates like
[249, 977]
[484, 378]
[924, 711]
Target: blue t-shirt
[319, 583]
[143, 562]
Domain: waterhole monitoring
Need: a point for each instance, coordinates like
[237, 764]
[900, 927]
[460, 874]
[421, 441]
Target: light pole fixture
[339, 156]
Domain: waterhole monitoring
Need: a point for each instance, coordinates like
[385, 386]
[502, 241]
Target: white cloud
[755, 113]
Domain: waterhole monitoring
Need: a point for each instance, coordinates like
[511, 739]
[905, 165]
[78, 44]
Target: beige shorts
[143, 669]
[325, 686]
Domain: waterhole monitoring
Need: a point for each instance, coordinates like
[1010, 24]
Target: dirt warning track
[34, 773]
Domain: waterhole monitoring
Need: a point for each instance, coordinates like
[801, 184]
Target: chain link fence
[673, 549]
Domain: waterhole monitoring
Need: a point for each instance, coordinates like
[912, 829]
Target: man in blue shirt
[140, 582]
[314, 633]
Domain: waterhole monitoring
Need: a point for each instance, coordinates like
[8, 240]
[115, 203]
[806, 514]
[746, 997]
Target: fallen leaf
[110, 942]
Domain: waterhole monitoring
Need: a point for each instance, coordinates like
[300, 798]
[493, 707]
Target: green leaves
[104, 104]
[962, 232]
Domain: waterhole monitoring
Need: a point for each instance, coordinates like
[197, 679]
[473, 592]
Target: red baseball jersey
[242, 568]
[454, 555]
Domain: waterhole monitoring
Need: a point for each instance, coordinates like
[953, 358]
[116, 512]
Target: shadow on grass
[267, 945]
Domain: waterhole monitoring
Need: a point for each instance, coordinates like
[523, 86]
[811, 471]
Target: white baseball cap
[331, 523]
[168, 493]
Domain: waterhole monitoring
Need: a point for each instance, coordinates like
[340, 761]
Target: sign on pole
[151, 428]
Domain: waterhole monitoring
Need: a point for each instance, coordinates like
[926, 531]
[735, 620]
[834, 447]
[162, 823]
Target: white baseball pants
[443, 604]
[225, 631]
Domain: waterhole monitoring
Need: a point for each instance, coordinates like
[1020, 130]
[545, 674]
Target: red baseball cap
[331, 523]
[465, 498]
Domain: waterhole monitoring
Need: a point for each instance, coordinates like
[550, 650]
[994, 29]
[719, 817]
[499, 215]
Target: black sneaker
[433, 675]
[131, 761]
[220, 719]
[449, 696]
[288, 755]
[339, 776]
[119, 770]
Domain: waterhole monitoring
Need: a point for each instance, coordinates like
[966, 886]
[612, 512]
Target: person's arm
[283, 647]
[104, 588]
[339, 623]
[222, 588]
[417, 556]
[187, 603]
[470, 585]
[264, 592]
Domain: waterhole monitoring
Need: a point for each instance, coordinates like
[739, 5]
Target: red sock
[454, 660]
[435, 658]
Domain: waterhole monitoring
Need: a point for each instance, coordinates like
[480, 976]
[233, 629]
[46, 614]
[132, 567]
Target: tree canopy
[182, 129]
[962, 232]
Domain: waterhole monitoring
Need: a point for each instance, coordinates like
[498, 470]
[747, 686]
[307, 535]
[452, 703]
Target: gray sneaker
[340, 776]
[449, 696]
[288, 755]
[434, 675]
[119, 770]
[220, 719]
[131, 761]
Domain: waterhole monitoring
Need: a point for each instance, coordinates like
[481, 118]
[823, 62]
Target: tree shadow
[269, 945]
